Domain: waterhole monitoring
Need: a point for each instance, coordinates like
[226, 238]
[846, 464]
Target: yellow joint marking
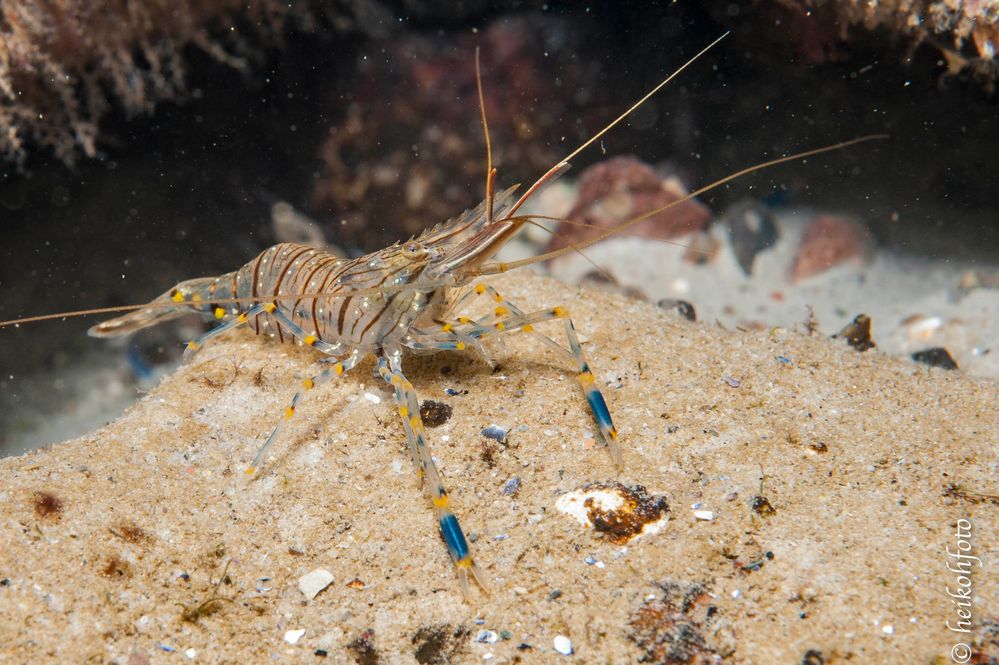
[270, 307]
[500, 326]
[460, 346]
[464, 319]
[527, 328]
[464, 562]
[338, 368]
[404, 411]
[219, 313]
[497, 297]
[502, 311]
[177, 297]
[480, 288]
[250, 470]
[396, 380]
[560, 312]
[310, 340]
[196, 297]
[441, 502]
[406, 385]
[308, 384]
[586, 378]
[289, 412]
[612, 433]
[192, 345]
[241, 318]
[447, 327]
[416, 423]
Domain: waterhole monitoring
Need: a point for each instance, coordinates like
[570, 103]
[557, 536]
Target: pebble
[312, 583]
[511, 487]
[487, 636]
[191, 653]
[495, 432]
[563, 645]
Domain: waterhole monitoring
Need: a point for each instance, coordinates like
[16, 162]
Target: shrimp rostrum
[407, 297]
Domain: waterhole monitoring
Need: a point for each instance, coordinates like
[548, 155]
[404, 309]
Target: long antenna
[565, 161]
[499, 267]
[490, 171]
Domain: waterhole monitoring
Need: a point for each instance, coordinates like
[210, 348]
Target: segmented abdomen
[367, 320]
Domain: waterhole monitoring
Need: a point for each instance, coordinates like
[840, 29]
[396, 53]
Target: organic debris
[858, 333]
[442, 644]
[677, 627]
[435, 414]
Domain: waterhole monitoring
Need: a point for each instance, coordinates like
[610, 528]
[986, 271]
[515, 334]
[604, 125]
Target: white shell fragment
[487, 636]
[563, 645]
[705, 515]
[312, 583]
[293, 636]
[633, 511]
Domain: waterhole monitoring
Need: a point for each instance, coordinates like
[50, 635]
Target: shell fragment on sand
[312, 583]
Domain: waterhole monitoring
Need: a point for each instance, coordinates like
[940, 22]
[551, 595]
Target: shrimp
[403, 298]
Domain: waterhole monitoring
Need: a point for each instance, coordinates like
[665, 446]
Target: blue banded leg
[337, 369]
[390, 369]
[241, 319]
[508, 317]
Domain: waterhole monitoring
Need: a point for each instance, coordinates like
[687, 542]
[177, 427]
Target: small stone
[511, 487]
[888, 629]
[828, 241]
[312, 583]
[191, 653]
[486, 636]
[293, 636]
[705, 515]
[935, 357]
[495, 432]
[563, 645]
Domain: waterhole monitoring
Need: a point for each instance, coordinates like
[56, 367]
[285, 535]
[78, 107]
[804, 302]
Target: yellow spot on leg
[416, 423]
[527, 328]
[586, 379]
[310, 340]
[219, 313]
[241, 318]
[404, 411]
[460, 346]
[338, 368]
[177, 297]
[480, 288]
[502, 311]
[192, 345]
[270, 307]
[250, 470]
[441, 502]
[560, 312]
[308, 384]
[447, 327]
[500, 326]
[289, 412]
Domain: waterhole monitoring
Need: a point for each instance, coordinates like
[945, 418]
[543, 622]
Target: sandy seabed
[111, 544]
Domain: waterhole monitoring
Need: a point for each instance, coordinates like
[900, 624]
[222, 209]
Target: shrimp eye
[413, 250]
